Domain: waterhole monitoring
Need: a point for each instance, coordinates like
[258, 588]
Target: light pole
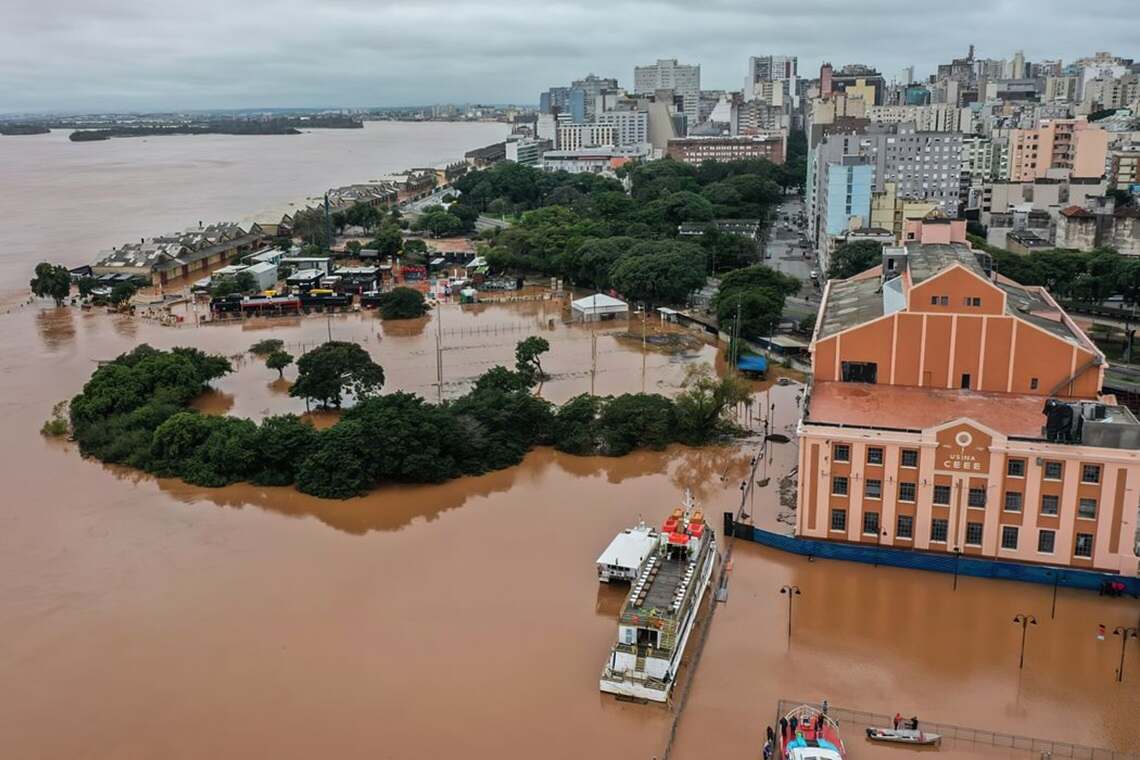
[1025, 621]
[1124, 634]
[957, 556]
[1056, 582]
[790, 591]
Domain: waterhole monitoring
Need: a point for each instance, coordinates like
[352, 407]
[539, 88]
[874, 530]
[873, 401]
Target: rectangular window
[905, 527]
[874, 455]
[873, 489]
[939, 529]
[1052, 470]
[943, 300]
[1046, 540]
[1083, 545]
[974, 534]
[1015, 468]
[976, 497]
[1050, 505]
[839, 519]
[1090, 473]
[1032, 383]
[860, 372]
[934, 300]
[839, 485]
[907, 491]
[871, 523]
[1009, 537]
[1012, 501]
[841, 453]
[941, 494]
[1087, 509]
[909, 458]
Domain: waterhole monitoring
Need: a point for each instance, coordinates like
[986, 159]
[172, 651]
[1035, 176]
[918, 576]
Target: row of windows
[975, 497]
[945, 301]
[940, 528]
[1015, 468]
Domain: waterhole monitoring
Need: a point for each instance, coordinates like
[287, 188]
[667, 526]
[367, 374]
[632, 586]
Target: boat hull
[633, 685]
[902, 736]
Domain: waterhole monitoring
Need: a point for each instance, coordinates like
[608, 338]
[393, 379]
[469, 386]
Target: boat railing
[1033, 748]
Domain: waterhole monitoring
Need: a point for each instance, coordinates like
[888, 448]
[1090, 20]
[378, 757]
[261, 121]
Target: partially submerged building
[956, 411]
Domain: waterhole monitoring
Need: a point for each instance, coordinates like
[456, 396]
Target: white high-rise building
[765, 69]
[631, 127]
[578, 136]
[667, 74]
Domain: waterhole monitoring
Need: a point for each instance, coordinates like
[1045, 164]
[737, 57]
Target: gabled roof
[1076, 212]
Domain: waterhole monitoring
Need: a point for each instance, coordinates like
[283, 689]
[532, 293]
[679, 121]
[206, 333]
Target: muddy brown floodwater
[146, 618]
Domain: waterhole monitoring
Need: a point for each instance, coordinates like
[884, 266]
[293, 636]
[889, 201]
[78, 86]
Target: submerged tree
[333, 368]
[51, 281]
[527, 353]
[279, 360]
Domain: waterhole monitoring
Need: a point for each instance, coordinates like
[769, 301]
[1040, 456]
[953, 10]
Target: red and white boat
[815, 736]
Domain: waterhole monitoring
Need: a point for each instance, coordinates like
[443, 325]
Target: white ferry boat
[661, 609]
[623, 558]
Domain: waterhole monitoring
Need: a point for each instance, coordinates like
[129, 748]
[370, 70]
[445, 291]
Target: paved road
[785, 251]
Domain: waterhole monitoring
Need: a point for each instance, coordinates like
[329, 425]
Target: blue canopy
[752, 363]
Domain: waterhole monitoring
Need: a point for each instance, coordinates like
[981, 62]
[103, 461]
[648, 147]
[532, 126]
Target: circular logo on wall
[963, 438]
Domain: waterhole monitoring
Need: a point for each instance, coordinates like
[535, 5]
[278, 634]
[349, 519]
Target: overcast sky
[90, 55]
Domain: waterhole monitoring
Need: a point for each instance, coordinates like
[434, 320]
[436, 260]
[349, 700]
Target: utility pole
[1124, 634]
[439, 352]
[593, 360]
[328, 224]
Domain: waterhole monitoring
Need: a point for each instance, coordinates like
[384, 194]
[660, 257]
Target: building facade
[667, 74]
[577, 136]
[697, 150]
[631, 127]
[924, 426]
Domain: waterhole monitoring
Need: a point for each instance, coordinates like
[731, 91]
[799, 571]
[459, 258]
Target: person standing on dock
[768, 750]
[792, 724]
[898, 719]
[783, 728]
[824, 707]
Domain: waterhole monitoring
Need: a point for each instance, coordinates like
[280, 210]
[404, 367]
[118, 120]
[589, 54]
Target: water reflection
[56, 327]
[393, 507]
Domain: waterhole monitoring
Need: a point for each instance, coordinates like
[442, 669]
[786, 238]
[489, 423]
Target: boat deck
[666, 580]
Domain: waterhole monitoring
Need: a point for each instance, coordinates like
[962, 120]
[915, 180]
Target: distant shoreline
[286, 126]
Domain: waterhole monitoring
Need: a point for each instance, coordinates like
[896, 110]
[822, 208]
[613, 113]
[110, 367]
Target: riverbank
[66, 204]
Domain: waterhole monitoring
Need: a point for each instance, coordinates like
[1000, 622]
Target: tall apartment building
[963, 363]
[941, 117]
[578, 136]
[1066, 146]
[592, 88]
[667, 74]
[1101, 94]
[1061, 89]
[631, 127]
[783, 69]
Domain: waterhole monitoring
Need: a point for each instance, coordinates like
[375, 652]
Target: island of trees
[23, 129]
[135, 411]
[275, 126]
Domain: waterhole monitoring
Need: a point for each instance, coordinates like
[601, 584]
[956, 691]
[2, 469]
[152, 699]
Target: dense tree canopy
[51, 281]
[402, 303]
[660, 271]
[333, 369]
[135, 411]
[850, 259]
[757, 293]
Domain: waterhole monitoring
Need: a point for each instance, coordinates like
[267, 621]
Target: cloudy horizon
[157, 55]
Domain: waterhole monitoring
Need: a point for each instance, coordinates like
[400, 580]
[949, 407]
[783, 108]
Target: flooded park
[144, 617]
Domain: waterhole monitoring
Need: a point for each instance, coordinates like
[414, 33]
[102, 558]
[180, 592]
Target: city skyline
[126, 55]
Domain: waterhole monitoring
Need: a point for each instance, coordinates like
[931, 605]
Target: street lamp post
[1124, 634]
[790, 591]
[1025, 621]
[957, 556]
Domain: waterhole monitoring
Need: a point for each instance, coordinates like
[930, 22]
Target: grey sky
[84, 55]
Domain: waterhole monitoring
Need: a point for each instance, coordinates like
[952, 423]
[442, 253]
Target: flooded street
[147, 618]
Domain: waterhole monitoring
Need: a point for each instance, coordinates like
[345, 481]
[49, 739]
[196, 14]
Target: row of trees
[1091, 276]
[54, 281]
[135, 411]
